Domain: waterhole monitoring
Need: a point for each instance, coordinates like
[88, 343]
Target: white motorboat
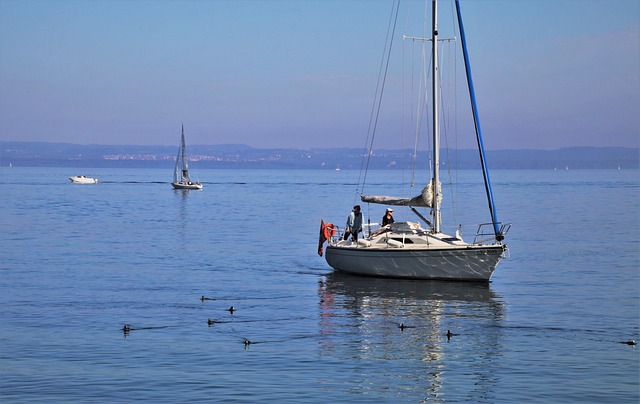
[83, 179]
[181, 179]
[407, 249]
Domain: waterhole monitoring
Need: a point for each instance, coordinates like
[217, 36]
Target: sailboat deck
[407, 235]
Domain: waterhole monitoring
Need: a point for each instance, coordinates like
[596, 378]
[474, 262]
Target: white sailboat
[181, 179]
[407, 249]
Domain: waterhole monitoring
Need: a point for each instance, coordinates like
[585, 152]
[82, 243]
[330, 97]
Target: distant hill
[42, 154]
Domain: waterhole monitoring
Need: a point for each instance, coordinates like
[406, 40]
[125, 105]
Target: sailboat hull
[469, 263]
[183, 185]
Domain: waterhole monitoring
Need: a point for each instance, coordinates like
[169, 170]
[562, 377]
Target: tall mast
[436, 120]
[476, 120]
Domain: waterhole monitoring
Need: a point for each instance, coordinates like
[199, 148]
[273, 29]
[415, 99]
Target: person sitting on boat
[354, 224]
[388, 217]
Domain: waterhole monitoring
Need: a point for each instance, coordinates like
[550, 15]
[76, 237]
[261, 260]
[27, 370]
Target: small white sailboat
[83, 179]
[181, 179]
[407, 249]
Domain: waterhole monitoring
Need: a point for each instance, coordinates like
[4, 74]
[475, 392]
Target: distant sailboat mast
[181, 162]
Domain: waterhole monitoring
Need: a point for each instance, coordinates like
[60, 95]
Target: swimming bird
[450, 334]
[126, 328]
[630, 342]
[247, 343]
[231, 309]
[211, 322]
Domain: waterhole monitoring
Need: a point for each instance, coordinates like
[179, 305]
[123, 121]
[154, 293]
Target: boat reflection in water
[394, 333]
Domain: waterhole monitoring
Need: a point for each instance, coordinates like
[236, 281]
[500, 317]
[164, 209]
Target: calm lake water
[78, 262]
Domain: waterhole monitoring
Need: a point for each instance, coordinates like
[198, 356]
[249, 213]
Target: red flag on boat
[326, 231]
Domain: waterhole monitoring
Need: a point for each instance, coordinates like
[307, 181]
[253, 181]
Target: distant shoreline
[43, 154]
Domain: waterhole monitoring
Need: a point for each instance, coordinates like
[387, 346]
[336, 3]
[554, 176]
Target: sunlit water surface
[78, 262]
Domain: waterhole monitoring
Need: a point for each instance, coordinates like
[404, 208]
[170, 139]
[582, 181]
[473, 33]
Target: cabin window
[403, 240]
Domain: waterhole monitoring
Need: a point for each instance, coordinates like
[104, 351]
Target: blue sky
[302, 74]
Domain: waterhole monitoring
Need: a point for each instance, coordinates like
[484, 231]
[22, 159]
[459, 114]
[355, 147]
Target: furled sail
[425, 199]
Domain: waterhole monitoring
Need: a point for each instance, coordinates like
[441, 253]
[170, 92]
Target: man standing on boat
[354, 224]
[388, 217]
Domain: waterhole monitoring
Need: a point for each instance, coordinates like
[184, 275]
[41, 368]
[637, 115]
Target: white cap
[389, 210]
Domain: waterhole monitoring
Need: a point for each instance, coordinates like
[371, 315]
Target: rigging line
[373, 105]
[412, 108]
[422, 81]
[368, 141]
[421, 109]
[456, 186]
[407, 70]
[474, 107]
[403, 132]
[424, 77]
[426, 112]
[372, 131]
[403, 155]
[446, 119]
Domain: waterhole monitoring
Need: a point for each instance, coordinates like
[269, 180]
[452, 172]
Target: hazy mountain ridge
[43, 154]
